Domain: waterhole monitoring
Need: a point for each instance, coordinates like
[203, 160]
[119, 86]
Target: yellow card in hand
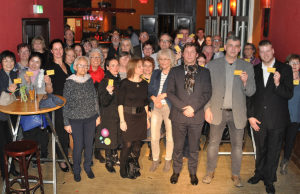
[202, 65]
[177, 48]
[191, 35]
[111, 82]
[271, 69]
[179, 35]
[248, 60]
[237, 72]
[50, 72]
[296, 82]
[17, 81]
[221, 49]
[29, 73]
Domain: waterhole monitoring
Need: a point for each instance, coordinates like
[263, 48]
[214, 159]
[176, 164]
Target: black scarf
[189, 79]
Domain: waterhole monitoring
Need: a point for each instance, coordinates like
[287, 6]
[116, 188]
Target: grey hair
[122, 41]
[169, 54]
[97, 50]
[80, 58]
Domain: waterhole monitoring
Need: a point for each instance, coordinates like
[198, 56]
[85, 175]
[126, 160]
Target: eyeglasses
[95, 57]
[165, 59]
[165, 41]
[216, 40]
[83, 66]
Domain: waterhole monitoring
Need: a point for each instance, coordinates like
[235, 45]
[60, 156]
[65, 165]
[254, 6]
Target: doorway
[33, 27]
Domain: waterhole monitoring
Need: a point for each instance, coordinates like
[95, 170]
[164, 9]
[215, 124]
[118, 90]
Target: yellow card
[248, 60]
[17, 81]
[221, 49]
[179, 35]
[296, 82]
[237, 72]
[202, 65]
[50, 72]
[111, 82]
[29, 73]
[177, 48]
[271, 69]
[191, 35]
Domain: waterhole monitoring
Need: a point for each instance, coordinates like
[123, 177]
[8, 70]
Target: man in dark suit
[268, 113]
[189, 89]
[200, 39]
[138, 50]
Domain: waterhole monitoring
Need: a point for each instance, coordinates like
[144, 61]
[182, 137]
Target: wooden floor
[158, 182]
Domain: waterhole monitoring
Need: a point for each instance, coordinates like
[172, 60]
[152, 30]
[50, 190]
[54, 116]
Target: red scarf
[97, 75]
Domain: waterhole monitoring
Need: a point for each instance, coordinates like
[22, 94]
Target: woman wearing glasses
[81, 115]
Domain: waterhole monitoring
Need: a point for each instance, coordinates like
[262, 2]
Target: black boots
[98, 155]
[115, 157]
[131, 169]
[109, 163]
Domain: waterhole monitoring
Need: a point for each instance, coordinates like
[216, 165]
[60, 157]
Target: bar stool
[23, 151]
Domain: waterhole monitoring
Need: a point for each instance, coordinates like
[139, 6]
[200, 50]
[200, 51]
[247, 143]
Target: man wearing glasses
[165, 42]
[217, 46]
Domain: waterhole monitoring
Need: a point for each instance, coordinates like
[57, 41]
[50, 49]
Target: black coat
[109, 113]
[180, 98]
[270, 104]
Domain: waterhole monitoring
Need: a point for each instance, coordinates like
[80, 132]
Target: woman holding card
[35, 79]
[7, 76]
[59, 72]
[108, 135]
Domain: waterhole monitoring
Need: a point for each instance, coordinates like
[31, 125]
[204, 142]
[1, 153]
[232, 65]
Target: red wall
[284, 27]
[12, 12]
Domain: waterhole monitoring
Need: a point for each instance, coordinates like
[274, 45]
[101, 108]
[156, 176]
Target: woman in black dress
[61, 73]
[133, 113]
[108, 135]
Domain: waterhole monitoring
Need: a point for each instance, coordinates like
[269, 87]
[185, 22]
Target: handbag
[32, 121]
[50, 101]
[7, 98]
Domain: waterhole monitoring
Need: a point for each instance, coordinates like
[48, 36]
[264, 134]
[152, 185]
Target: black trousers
[5, 138]
[290, 137]
[193, 132]
[41, 136]
[83, 133]
[268, 146]
[63, 136]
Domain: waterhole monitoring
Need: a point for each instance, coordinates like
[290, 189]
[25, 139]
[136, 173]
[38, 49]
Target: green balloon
[107, 141]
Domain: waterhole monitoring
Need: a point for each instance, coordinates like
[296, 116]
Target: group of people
[115, 94]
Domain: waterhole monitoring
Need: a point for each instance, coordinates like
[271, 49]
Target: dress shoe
[64, 169]
[194, 179]
[208, 178]
[255, 179]
[174, 178]
[90, 174]
[236, 181]
[77, 177]
[270, 189]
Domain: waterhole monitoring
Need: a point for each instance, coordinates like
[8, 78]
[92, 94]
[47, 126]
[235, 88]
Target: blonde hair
[169, 54]
[40, 38]
[122, 42]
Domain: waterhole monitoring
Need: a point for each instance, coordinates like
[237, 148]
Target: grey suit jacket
[239, 92]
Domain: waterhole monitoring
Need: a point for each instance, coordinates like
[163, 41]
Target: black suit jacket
[200, 47]
[270, 104]
[179, 97]
[137, 51]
